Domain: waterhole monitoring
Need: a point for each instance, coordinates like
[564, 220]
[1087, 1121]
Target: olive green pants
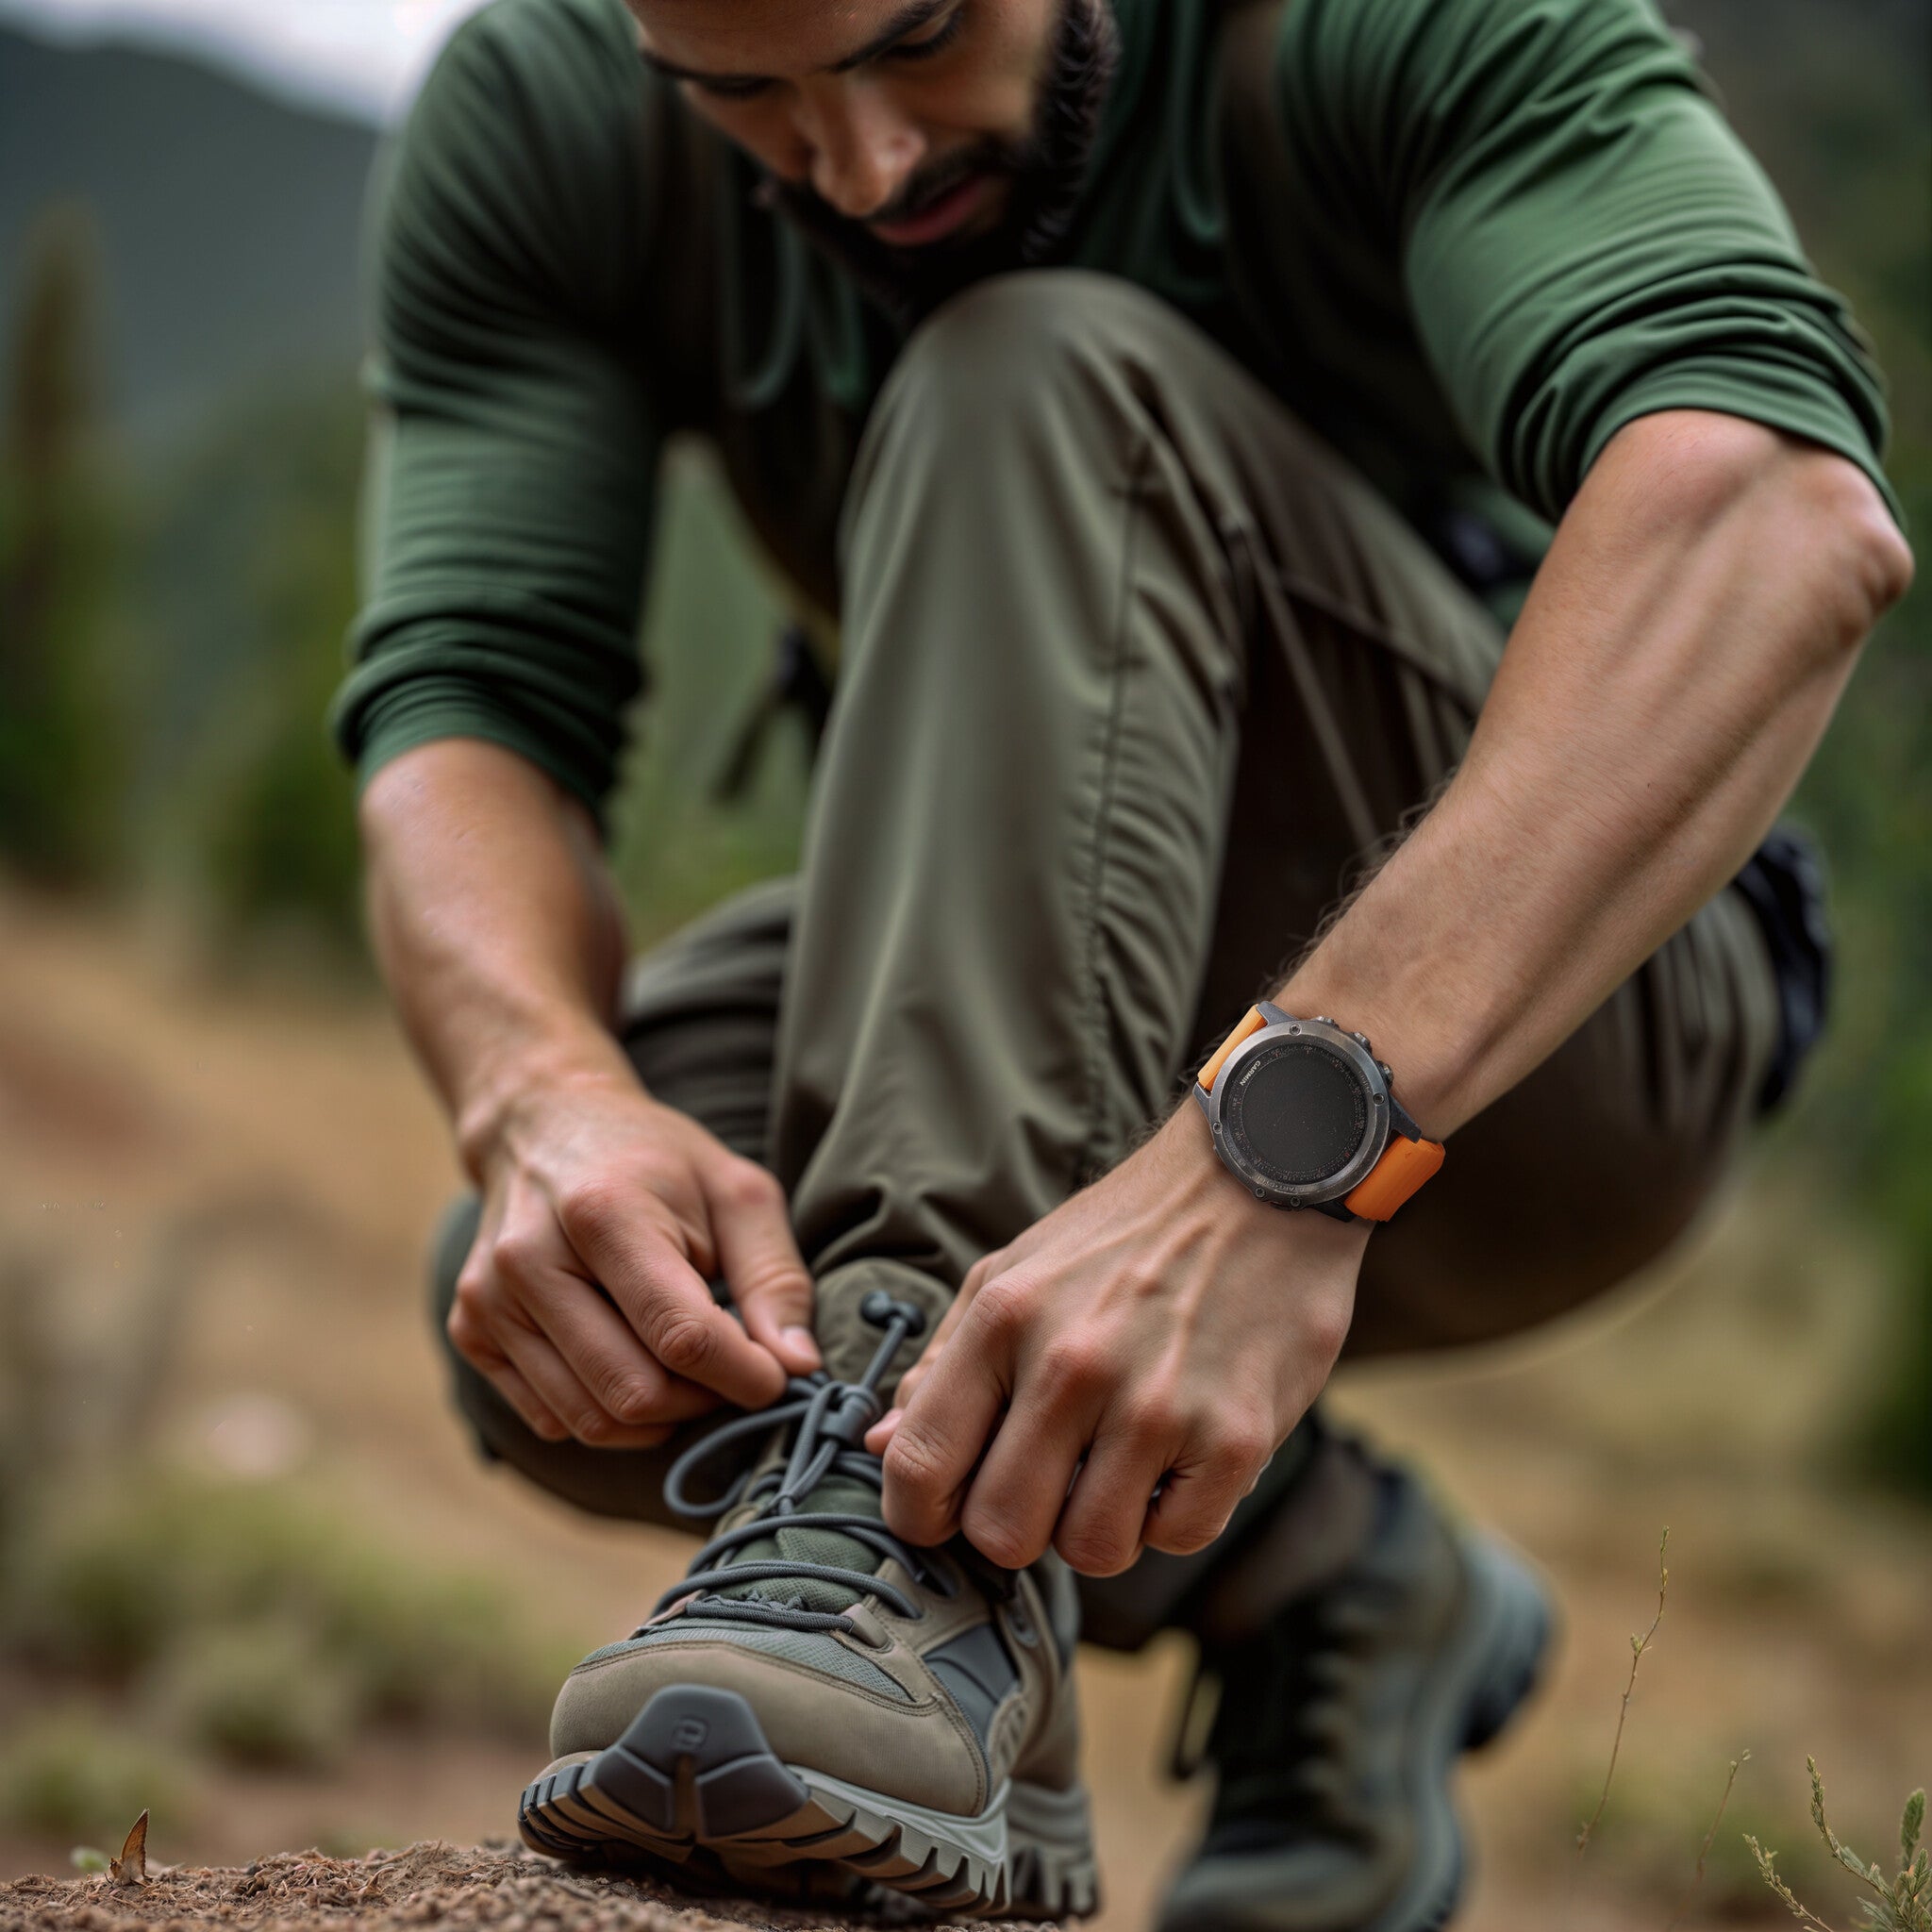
[1136, 673]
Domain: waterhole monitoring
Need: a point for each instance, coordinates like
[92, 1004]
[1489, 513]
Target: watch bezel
[1353, 1054]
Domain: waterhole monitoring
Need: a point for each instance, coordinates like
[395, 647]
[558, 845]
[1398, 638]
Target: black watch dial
[1296, 1113]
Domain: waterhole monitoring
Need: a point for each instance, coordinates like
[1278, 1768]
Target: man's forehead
[764, 37]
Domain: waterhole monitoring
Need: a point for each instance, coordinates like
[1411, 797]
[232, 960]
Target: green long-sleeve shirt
[1466, 239]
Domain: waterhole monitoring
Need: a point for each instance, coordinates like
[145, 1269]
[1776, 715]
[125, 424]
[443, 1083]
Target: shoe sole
[1483, 1680]
[693, 1784]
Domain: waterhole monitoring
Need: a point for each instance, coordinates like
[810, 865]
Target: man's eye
[731, 89]
[937, 41]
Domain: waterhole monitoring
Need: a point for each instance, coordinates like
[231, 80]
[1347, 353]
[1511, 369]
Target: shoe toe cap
[820, 1704]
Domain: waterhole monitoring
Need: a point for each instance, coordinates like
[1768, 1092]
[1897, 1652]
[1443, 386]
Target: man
[1172, 401]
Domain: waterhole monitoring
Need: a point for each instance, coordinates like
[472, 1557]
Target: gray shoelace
[831, 1419]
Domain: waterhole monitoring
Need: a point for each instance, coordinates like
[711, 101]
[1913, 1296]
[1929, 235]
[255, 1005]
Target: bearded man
[1221, 429]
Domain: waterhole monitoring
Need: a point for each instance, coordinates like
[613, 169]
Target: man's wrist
[521, 1084]
[1186, 1146]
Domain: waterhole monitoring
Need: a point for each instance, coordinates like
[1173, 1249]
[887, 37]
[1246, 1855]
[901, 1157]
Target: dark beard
[1045, 172]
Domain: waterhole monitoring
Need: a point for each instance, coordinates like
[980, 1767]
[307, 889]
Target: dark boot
[1342, 1714]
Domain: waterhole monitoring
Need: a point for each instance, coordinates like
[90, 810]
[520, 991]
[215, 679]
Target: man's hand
[1161, 1331]
[604, 1213]
[585, 1299]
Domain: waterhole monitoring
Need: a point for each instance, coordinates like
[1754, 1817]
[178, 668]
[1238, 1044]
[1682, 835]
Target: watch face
[1297, 1113]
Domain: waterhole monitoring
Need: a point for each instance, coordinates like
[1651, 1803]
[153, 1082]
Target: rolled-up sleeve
[1583, 239]
[512, 452]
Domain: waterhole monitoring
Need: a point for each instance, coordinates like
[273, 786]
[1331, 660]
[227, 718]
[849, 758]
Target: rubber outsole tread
[692, 1785]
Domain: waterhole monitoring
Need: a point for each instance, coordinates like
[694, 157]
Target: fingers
[1199, 1493]
[623, 1244]
[526, 1316]
[1013, 1504]
[751, 1226]
[1102, 1525]
[621, 1379]
[937, 1441]
[561, 1391]
[886, 1426]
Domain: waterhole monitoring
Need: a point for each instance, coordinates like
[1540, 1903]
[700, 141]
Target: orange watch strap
[1251, 1023]
[1405, 1165]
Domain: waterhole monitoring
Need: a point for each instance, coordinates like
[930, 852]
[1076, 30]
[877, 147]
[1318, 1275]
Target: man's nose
[863, 152]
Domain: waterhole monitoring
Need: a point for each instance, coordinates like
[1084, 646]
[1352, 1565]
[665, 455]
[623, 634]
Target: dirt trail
[456, 1887]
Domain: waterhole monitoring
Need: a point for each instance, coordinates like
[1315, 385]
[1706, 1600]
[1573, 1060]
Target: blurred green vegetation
[1837, 102]
[208, 1593]
[173, 626]
[72, 1774]
[240, 1624]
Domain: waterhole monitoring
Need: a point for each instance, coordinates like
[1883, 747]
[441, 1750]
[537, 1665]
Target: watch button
[1361, 1040]
[1387, 1072]
[1322, 1020]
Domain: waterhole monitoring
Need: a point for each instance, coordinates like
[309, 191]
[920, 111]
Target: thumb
[770, 1287]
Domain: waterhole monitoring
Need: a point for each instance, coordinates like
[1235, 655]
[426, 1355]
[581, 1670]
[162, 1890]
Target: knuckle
[630, 1396]
[514, 1259]
[1004, 1307]
[1155, 1415]
[910, 1465]
[588, 1207]
[685, 1344]
[468, 1339]
[1071, 1367]
[754, 1187]
[1184, 1539]
[983, 1270]
[1094, 1552]
[995, 1535]
[593, 1426]
[1239, 1444]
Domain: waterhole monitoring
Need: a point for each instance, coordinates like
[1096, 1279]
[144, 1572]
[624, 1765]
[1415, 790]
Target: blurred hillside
[226, 223]
[178, 452]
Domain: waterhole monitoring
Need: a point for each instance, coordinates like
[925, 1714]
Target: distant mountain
[228, 222]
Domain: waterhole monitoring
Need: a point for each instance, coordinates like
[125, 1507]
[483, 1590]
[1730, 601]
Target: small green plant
[1900, 1903]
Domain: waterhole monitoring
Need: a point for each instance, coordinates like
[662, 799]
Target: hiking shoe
[819, 1707]
[1338, 1726]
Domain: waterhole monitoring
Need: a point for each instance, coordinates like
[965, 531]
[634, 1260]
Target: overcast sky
[364, 55]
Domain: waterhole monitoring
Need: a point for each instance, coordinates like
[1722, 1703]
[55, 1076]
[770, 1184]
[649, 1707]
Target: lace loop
[831, 1419]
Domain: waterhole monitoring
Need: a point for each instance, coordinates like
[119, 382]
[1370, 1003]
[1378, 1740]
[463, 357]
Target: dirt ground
[269, 1158]
[453, 1886]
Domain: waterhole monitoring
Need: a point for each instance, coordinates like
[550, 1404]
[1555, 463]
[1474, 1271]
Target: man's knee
[996, 357]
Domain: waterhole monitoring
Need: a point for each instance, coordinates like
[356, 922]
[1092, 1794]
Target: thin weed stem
[1742, 1759]
[1637, 1646]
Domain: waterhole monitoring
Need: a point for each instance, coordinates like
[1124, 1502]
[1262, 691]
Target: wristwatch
[1304, 1115]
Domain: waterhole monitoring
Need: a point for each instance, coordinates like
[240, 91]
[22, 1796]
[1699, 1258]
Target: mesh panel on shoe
[804, 1542]
[810, 1648]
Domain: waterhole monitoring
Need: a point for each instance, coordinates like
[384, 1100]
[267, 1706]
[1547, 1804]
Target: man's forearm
[494, 926]
[1680, 656]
